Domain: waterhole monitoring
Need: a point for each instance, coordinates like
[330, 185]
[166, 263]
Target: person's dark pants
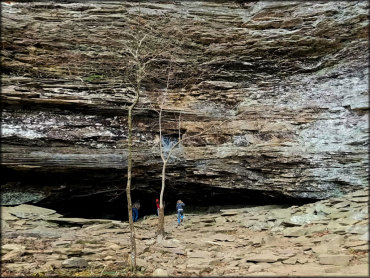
[135, 214]
[180, 215]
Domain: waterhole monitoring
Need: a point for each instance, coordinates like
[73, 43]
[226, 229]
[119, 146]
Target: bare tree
[145, 49]
[140, 52]
[165, 157]
[137, 56]
[140, 72]
[167, 151]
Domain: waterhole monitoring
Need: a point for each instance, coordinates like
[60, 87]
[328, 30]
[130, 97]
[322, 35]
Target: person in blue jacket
[135, 211]
[180, 211]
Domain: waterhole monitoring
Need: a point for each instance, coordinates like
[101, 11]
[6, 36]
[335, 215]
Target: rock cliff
[289, 78]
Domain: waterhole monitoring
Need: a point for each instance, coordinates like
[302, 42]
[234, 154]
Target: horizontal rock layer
[289, 78]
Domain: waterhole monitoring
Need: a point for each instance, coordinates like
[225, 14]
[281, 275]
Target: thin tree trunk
[161, 207]
[128, 189]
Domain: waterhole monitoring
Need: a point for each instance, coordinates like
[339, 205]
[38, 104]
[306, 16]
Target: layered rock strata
[289, 78]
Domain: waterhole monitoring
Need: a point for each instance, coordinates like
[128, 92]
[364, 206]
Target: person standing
[135, 211]
[180, 211]
[157, 204]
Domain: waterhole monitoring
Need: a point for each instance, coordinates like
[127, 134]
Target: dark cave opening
[101, 194]
[115, 208]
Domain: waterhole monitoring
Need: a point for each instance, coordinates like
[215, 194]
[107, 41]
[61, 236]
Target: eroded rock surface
[290, 78]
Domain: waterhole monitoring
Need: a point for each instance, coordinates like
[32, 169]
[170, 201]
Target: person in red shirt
[157, 203]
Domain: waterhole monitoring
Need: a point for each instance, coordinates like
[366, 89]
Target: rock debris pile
[327, 238]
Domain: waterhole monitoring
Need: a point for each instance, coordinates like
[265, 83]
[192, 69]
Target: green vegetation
[93, 77]
[96, 272]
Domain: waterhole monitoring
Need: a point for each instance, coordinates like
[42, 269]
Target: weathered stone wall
[291, 78]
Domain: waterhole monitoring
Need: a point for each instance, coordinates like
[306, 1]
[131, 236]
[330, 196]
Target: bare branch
[99, 192]
[180, 126]
[160, 132]
[199, 134]
[139, 44]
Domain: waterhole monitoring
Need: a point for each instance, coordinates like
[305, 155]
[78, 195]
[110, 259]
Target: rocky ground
[326, 238]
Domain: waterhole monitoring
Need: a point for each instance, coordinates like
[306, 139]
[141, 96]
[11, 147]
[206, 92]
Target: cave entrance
[198, 200]
[101, 193]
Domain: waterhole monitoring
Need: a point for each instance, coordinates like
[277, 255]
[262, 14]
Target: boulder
[365, 236]
[12, 255]
[299, 220]
[70, 251]
[77, 221]
[360, 199]
[359, 229]
[360, 193]
[291, 260]
[320, 208]
[279, 214]
[260, 225]
[294, 232]
[341, 204]
[255, 268]
[159, 272]
[340, 260]
[312, 230]
[170, 243]
[12, 247]
[53, 264]
[178, 251]
[198, 263]
[75, 262]
[19, 267]
[262, 258]
[334, 227]
[6, 215]
[32, 212]
[334, 269]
